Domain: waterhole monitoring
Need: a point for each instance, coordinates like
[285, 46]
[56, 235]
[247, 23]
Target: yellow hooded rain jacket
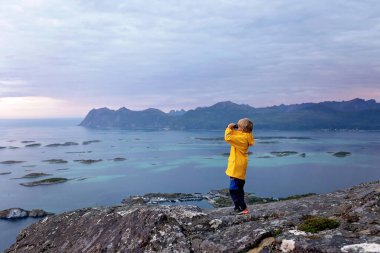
[238, 159]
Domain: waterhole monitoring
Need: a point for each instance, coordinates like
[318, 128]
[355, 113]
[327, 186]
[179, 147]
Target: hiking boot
[244, 212]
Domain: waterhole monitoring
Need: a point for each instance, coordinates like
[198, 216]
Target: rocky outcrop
[47, 181]
[11, 162]
[89, 142]
[55, 161]
[35, 175]
[88, 161]
[17, 213]
[271, 227]
[68, 143]
[341, 154]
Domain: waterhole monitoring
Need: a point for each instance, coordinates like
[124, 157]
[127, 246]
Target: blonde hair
[246, 125]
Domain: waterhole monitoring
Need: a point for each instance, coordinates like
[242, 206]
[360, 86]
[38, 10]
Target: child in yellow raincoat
[240, 140]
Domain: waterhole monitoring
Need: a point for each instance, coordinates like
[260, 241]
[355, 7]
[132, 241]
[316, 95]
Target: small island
[88, 161]
[119, 159]
[68, 143]
[283, 153]
[341, 154]
[89, 142]
[47, 181]
[33, 145]
[35, 175]
[11, 162]
[55, 161]
[19, 213]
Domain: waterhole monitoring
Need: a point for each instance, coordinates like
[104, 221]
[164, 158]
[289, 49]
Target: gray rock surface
[271, 227]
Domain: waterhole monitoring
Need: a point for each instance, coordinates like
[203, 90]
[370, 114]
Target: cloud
[11, 87]
[190, 52]
[38, 107]
[11, 82]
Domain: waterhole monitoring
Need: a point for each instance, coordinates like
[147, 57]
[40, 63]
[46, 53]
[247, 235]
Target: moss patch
[277, 232]
[314, 224]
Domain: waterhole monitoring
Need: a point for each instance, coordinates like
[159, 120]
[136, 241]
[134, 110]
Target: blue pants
[237, 193]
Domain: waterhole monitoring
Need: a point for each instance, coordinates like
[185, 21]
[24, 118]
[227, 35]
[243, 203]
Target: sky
[61, 58]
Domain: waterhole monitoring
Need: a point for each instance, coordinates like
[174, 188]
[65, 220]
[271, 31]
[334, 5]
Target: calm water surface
[168, 161]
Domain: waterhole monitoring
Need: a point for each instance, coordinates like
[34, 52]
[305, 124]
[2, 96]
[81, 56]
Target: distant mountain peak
[177, 112]
[224, 104]
[123, 109]
[353, 114]
[360, 100]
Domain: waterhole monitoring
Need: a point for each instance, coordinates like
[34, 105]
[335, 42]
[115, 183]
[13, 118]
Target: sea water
[168, 162]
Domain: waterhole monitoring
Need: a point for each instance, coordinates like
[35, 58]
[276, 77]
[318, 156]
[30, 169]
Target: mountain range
[354, 114]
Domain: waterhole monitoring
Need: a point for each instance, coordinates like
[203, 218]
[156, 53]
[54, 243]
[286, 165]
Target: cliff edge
[342, 221]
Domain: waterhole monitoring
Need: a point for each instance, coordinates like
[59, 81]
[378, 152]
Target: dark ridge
[356, 114]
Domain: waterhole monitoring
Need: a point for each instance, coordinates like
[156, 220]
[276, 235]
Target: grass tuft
[314, 224]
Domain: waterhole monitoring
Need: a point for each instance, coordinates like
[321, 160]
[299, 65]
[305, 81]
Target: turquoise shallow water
[168, 161]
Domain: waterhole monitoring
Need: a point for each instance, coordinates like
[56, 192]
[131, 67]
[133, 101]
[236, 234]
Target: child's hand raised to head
[231, 125]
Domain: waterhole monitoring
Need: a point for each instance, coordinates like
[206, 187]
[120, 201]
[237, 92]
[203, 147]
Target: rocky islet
[35, 175]
[118, 159]
[90, 142]
[88, 161]
[11, 162]
[33, 145]
[19, 213]
[55, 161]
[65, 144]
[47, 181]
[341, 154]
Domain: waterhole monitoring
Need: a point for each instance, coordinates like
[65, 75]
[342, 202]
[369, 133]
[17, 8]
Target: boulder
[13, 213]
